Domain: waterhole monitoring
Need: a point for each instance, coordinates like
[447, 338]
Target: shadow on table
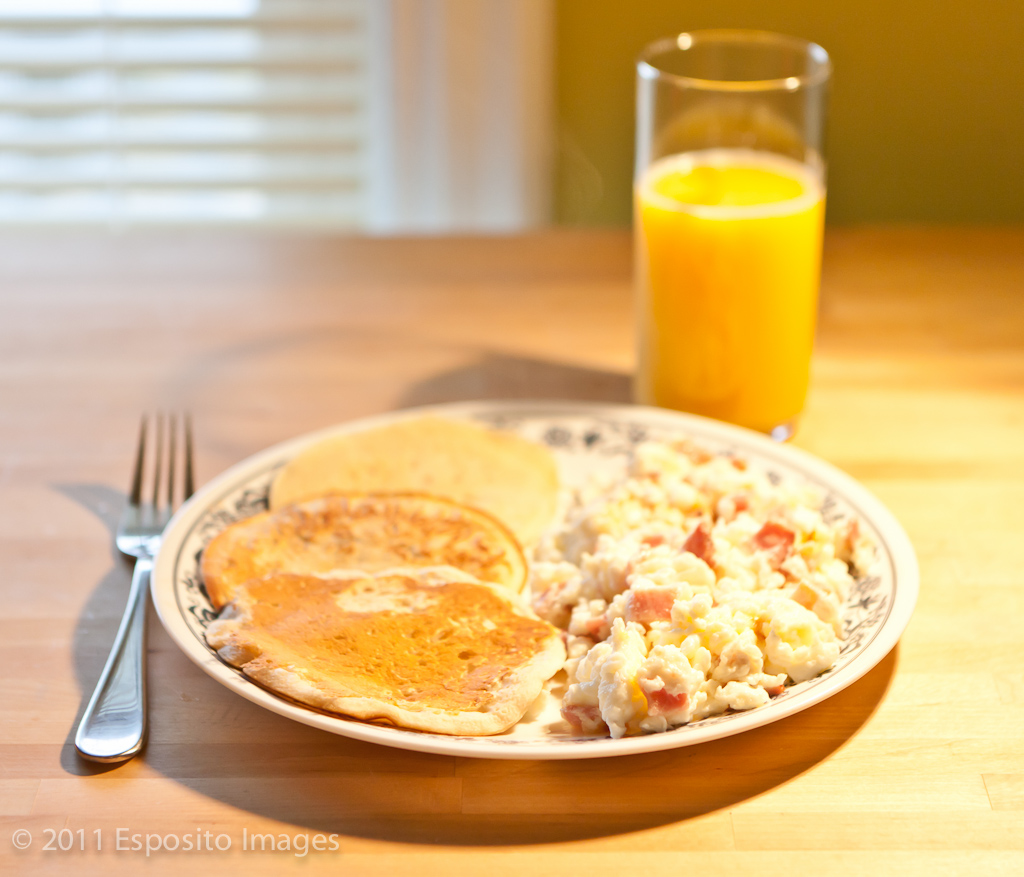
[294, 779]
[500, 376]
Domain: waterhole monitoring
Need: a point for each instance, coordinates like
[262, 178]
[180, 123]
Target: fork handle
[113, 727]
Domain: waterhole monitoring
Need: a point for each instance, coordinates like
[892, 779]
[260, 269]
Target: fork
[113, 727]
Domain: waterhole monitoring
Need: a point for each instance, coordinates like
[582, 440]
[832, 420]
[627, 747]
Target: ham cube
[776, 541]
[660, 702]
[699, 543]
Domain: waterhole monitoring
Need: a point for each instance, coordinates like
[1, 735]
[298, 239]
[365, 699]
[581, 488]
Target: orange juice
[728, 262]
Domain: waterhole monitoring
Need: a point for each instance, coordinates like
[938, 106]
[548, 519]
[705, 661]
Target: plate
[585, 439]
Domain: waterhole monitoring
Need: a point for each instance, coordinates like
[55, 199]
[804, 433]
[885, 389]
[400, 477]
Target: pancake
[430, 650]
[514, 479]
[362, 532]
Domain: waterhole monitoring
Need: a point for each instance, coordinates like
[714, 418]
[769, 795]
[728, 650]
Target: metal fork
[113, 727]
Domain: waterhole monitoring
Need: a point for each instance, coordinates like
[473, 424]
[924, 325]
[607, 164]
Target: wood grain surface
[918, 391]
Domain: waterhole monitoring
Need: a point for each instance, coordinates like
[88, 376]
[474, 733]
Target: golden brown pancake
[362, 532]
[514, 479]
[431, 650]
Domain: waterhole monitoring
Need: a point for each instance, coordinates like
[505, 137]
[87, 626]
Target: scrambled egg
[692, 587]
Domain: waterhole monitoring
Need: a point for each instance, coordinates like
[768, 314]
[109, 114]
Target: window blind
[249, 112]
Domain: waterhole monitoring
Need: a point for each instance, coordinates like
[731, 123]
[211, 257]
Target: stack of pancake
[384, 581]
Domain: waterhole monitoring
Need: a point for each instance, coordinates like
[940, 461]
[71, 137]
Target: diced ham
[739, 464]
[650, 604]
[653, 540]
[697, 454]
[775, 690]
[584, 718]
[804, 595]
[597, 627]
[776, 541]
[660, 702]
[699, 543]
[546, 602]
[730, 506]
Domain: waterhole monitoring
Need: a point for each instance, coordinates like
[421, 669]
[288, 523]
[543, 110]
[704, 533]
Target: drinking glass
[729, 201]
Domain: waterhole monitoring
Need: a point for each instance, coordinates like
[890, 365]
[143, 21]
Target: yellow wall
[927, 107]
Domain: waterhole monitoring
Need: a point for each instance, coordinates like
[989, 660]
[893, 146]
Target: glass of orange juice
[729, 200]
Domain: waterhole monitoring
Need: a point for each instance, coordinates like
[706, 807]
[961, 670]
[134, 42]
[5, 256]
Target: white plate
[584, 438]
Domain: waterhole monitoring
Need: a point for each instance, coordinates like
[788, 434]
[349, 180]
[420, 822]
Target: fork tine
[136, 494]
[158, 463]
[172, 433]
[189, 483]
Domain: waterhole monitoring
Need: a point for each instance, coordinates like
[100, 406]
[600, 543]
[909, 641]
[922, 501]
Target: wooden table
[918, 392]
